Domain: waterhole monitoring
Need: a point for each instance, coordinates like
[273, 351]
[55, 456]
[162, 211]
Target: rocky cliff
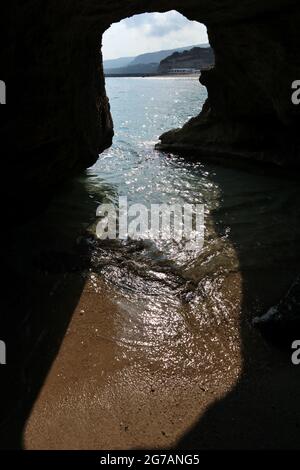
[249, 112]
[57, 119]
[197, 58]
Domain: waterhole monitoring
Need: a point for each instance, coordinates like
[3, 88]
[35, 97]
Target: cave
[57, 121]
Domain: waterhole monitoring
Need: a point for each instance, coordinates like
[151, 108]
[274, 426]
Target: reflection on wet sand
[150, 354]
[146, 345]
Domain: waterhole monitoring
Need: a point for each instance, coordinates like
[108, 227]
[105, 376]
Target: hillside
[117, 63]
[133, 69]
[144, 63]
[157, 57]
[196, 58]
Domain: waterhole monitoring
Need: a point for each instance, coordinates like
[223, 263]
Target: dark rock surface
[282, 321]
[249, 112]
[57, 121]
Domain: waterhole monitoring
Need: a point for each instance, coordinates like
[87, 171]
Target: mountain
[197, 58]
[117, 63]
[157, 57]
[144, 63]
[134, 69]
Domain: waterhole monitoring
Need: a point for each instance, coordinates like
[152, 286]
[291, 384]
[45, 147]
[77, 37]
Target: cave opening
[189, 358]
[153, 88]
[158, 45]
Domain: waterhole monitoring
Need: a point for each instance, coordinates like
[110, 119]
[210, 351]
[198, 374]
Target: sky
[151, 32]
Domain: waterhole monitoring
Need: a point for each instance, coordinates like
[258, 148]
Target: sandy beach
[114, 385]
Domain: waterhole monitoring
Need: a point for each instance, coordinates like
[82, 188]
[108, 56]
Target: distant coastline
[152, 75]
[182, 61]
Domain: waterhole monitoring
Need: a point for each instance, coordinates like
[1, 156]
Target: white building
[184, 70]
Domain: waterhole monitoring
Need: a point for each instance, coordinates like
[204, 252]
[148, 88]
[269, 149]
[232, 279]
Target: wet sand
[129, 376]
[144, 361]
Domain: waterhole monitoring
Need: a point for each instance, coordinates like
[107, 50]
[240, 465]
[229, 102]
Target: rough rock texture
[282, 321]
[249, 112]
[57, 119]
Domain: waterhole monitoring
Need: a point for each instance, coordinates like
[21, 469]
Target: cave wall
[249, 113]
[57, 117]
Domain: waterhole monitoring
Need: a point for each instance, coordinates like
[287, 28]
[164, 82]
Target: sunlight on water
[239, 206]
[159, 333]
[168, 297]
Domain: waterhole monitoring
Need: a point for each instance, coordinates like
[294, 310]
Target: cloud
[150, 32]
[158, 24]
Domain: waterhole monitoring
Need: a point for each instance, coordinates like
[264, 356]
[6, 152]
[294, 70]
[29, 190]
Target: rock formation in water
[282, 320]
[57, 117]
[198, 58]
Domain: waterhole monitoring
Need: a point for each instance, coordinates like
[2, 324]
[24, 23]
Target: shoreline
[128, 396]
[106, 371]
[150, 75]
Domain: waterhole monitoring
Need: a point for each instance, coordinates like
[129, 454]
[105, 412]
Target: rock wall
[249, 112]
[57, 117]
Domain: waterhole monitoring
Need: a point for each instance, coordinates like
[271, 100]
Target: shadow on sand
[261, 411]
[44, 265]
